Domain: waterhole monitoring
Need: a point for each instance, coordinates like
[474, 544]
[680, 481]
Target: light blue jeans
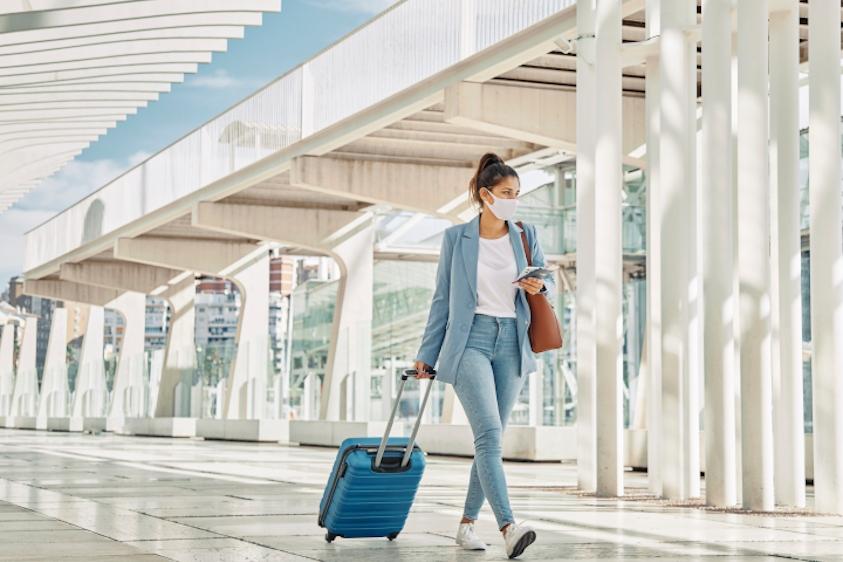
[488, 383]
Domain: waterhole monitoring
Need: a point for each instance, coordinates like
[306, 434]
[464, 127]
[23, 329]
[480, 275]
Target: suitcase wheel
[329, 537]
[392, 536]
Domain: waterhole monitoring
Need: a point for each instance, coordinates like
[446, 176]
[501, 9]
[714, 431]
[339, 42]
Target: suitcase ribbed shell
[361, 502]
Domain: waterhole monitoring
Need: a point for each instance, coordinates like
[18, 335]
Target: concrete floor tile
[108, 497]
[216, 550]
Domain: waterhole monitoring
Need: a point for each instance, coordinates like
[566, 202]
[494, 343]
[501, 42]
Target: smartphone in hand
[534, 271]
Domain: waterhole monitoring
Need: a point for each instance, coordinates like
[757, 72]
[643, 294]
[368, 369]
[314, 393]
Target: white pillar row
[180, 355]
[179, 349]
[826, 253]
[54, 395]
[25, 398]
[786, 244]
[718, 217]
[348, 237]
[127, 390]
[247, 380]
[754, 255]
[212, 257]
[608, 255]
[653, 336]
[89, 395]
[585, 304]
[677, 212]
[7, 367]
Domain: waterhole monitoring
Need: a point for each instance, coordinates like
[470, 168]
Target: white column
[25, 398]
[89, 393]
[54, 391]
[718, 273]
[246, 384]
[351, 332]
[180, 348]
[7, 368]
[826, 254]
[788, 418]
[388, 391]
[754, 255]
[536, 397]
[128, 380]
[735, 272]
[677, 181]
[653, 326]
[452, 410]
[586, 345]
[608, 257]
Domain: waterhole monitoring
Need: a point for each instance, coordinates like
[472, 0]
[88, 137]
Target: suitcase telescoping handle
[407, 373]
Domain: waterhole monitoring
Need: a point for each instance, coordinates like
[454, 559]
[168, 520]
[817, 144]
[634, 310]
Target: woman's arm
[434, 332]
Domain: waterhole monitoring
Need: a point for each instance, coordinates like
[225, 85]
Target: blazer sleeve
[437, 319]
[538, 260]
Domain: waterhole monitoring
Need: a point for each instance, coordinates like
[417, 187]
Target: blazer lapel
[470, 246]
[517, 245]
[520, 256]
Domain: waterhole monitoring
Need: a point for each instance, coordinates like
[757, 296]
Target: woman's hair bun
[490, 170]
[489, 159]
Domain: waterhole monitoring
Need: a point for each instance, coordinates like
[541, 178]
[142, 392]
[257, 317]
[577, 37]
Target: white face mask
[504, 209]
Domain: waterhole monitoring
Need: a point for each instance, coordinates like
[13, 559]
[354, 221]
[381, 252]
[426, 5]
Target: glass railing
[557, 228]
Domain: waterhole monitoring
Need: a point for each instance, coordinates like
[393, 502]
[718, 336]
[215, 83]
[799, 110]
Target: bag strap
[524, 242]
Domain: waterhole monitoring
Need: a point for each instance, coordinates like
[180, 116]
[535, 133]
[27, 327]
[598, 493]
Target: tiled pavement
[105, 497]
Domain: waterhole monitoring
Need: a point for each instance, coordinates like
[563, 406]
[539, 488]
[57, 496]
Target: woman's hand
[531, 284]
[422, 370]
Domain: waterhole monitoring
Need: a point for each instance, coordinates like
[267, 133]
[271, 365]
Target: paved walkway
[132, 499]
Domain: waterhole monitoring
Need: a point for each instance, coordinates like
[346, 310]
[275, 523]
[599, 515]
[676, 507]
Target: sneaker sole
[522, 544]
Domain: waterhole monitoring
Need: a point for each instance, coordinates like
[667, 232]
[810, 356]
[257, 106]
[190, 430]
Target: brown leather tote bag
[545, 331]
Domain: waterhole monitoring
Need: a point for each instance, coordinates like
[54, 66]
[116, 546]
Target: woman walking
[477, 332]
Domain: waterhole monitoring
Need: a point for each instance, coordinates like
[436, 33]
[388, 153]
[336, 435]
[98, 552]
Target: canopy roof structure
[72, 69]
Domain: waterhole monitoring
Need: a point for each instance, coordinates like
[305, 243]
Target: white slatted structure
[72, 69]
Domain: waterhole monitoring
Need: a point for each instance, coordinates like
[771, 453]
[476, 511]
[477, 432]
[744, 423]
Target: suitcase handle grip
[411, 372]
[382, 447]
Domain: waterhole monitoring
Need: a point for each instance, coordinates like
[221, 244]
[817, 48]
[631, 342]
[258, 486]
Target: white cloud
[362, 6]
[76, 180]
[219, 79]
[137, 158]
[13, 224]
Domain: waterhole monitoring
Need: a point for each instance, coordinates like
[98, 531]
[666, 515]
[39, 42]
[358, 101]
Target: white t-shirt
[496, 270]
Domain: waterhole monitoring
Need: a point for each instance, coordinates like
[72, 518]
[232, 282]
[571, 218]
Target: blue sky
[285, 40]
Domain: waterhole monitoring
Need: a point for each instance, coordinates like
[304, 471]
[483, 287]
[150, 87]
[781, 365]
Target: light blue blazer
[455, 298]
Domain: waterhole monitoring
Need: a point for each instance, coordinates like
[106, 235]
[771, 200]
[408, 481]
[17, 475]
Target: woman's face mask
[502, 208]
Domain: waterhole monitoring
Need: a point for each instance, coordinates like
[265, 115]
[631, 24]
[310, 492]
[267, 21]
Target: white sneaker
[517, 539]
[467, 539]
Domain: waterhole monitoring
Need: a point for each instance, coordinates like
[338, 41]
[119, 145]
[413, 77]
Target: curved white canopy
[72, 69]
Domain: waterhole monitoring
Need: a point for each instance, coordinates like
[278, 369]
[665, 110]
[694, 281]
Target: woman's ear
[482, 199]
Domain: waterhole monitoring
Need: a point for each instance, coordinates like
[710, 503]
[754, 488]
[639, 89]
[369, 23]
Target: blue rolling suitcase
[374, 481]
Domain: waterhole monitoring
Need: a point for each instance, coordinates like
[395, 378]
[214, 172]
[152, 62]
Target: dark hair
[491, 170]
